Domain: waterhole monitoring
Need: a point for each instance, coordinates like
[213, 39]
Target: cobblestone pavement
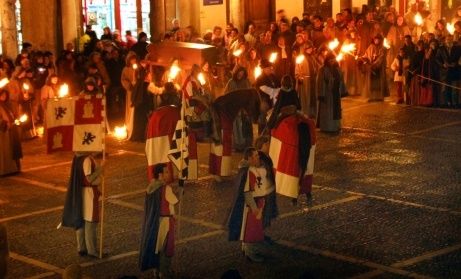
[387, 204]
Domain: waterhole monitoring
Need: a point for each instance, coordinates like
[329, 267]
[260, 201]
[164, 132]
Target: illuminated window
[18, 24]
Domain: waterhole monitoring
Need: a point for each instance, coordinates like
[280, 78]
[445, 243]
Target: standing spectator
[115, 95]
[10, 149]
[96, 60]
[283, 64]
[107, 34]
[142, 102]
[130, 41]
[330, 84]
[140, 48]
[81, 208]
[306, 74]
[49, 91]
[400, 66]
[67, 71]
[286, 32]
[128, 81]
[250, 35]
[317, 34]
[375, 88]
[396, 37]
[451, 57]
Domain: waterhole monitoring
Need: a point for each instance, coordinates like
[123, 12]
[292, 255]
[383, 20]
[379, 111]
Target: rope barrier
[435, 81]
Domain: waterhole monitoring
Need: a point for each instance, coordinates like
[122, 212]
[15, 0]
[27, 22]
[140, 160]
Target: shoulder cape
[236, 216]
[73, 209]
[149, 233]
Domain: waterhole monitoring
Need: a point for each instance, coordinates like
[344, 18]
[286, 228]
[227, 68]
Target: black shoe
[82, 253]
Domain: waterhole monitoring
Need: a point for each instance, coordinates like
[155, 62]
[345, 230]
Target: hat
[265, 63]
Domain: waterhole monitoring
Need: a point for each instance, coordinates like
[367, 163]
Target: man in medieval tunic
[375, 85]
[330, 88]
[306, 74]
[157, 235]
[81, 208]
[245, 222]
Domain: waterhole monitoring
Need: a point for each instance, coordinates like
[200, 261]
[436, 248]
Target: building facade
[51, 24]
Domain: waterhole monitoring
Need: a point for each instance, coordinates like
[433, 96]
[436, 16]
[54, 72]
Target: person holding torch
[10, 144]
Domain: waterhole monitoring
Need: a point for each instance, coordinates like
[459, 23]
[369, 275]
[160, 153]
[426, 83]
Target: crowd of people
[297, 66]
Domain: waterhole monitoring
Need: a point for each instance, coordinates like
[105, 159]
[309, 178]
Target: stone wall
[39, 23]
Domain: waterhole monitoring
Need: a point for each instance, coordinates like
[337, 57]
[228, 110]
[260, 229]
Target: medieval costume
[246, 222]
[350, 69]
[268, 87]
[157, 234]
[375, 87]
[128, 80]
[142, 102]
[81, 208]
[26, 104]
[160, 130]
[242, 127]
[10, 143]
[400, 67]
[306, 74]
[292, 150]
[330, 88]
[197, 111]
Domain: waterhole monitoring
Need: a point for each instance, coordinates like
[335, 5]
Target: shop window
[99, 14]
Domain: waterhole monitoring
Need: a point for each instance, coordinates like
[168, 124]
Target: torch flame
[174, 71]
[40, 131]
[21, 119]
[26, 86]
[348, 48]
[63, 91]
[135, 66]
[332, 45]
[451, 28]
[340, 57]
[237, 53]
[386, 44]
[4, 82]
[120, 132]
[258, 71]
[418, 19]
[201, 79]
[299, 59]
[273, 57]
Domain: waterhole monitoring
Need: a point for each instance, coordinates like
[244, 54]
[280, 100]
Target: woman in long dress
[10, 144]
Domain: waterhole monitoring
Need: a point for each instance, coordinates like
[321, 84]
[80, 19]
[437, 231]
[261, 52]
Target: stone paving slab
[376, 230]
[386, 117]
[282, 262]
[22, 197]
[18, 269]
[446, 266]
